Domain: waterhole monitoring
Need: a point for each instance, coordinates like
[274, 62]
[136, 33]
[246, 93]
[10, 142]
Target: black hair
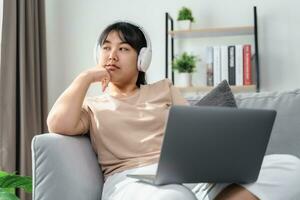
[132, 35]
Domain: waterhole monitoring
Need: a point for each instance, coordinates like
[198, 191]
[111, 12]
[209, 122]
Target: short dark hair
[130, 34]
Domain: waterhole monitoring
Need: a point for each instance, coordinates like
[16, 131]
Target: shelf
[244, 30]
[201, 89]
[213, 32]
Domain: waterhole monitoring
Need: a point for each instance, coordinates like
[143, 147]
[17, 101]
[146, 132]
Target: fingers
[109, 75]
[105, 83]
[103, 86]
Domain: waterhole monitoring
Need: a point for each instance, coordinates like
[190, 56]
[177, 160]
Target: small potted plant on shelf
[10, 181]
[185, 18]
[185, 64]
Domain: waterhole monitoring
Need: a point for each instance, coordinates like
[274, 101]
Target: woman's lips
[112, 67]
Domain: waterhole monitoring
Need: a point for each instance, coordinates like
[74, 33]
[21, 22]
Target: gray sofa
[66, 167]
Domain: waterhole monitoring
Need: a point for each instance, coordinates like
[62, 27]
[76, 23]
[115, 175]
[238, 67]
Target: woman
[127, 122]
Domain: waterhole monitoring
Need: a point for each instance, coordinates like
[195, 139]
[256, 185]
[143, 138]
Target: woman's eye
[105, 48]
[124, 49]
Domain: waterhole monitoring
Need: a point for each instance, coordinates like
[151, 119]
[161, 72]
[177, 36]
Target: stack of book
[232, 63]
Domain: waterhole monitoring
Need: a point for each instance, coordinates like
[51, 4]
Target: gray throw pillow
[219, 96]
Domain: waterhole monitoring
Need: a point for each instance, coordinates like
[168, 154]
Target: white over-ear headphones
[144, 56]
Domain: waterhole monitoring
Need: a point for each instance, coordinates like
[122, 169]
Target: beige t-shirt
[127, 132]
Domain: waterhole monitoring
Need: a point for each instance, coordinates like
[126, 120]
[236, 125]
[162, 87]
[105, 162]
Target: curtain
[23, 78]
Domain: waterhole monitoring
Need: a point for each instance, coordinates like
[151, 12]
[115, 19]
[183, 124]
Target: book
[247, 64]
[209, 66]
[224, 63]
[239, 65]
[217, 65]
[231, 65]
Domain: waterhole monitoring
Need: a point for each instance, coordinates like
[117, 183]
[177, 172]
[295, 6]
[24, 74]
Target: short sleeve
[177, 98]
[85, 117]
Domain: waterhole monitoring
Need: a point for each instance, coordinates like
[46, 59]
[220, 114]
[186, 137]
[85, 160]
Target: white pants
[279, 179]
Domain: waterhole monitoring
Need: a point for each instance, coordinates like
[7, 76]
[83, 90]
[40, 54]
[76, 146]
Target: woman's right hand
[99, 74]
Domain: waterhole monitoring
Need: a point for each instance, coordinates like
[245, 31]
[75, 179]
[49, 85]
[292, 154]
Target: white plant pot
[184, 25]
[184, 80]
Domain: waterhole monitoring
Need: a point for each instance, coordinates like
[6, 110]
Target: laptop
[212, 145]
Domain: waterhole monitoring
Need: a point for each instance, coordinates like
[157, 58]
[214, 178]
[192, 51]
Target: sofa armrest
[65, 168]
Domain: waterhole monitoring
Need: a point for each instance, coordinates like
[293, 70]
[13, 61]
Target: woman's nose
[113, 55]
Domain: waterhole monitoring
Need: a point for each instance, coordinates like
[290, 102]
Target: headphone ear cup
[140, 59]
[144, 59]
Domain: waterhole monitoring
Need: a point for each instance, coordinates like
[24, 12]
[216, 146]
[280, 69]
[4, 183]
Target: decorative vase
[184, 80]
[184, 25]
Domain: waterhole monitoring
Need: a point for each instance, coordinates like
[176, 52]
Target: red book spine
[247, 64]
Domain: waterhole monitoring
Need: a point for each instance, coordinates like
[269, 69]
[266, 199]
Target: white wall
[73, 25]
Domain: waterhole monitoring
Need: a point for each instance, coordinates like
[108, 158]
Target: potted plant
[185, 64]
[10, 181]
[185, 18]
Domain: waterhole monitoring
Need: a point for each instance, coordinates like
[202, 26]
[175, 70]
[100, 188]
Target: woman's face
[120, 59]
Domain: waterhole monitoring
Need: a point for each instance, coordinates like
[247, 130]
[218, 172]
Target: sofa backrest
[285, 136]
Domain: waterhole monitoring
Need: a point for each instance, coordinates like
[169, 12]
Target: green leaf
[10, 190]
[2, 173]
[185, 63]
[16, 181]
[7, 196]
[185, 14]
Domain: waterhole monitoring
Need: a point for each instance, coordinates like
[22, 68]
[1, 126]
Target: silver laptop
[212, 145]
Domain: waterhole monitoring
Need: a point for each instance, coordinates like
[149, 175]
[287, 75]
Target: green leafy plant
[10, 181]
[185, 14]
[185, 63]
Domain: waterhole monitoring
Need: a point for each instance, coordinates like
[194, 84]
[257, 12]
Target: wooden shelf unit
[212, 32]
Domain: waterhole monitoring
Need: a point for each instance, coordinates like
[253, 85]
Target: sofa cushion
[219, 96]
[285, 136]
